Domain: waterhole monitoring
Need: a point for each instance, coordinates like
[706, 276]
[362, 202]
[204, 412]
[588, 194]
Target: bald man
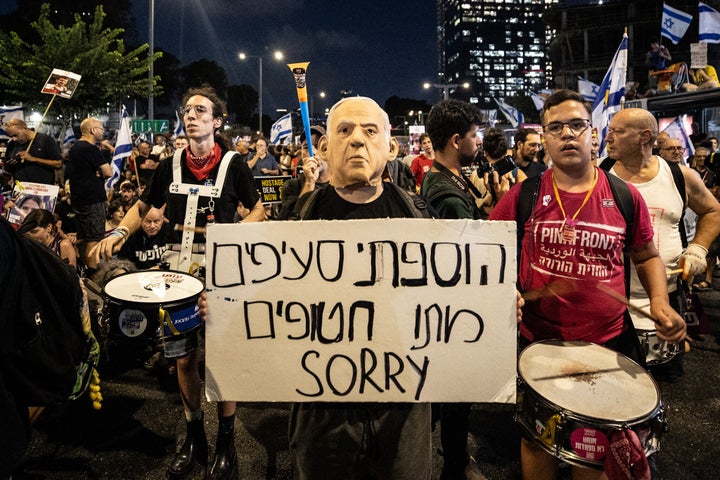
[630, 138]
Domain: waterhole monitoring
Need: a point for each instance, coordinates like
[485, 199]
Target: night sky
[375, 49]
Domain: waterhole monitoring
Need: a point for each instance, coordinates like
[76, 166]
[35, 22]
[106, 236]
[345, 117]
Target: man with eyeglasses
[630, 138]
[208, 161]
[37, 165]
[527, 147]
[673, 150]
[561, 271]
[88, 169]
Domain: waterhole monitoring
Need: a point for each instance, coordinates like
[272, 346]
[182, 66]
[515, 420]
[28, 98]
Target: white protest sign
[698, 55]
[385, 310]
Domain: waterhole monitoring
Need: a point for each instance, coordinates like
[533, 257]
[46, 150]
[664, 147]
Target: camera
[502, 166]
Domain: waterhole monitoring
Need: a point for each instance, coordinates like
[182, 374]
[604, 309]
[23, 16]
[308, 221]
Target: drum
[150, 300]
[171, 259]
[574, 397]
[657, 351]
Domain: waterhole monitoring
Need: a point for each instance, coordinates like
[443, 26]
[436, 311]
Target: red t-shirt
[577, 309]
[419, 166]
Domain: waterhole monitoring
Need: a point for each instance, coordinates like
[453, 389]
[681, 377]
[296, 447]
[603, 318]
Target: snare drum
[574, 396]
[155, 298]
[657, 351]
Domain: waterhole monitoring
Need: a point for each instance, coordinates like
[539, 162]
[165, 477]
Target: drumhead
[589, 380]
[154, 287]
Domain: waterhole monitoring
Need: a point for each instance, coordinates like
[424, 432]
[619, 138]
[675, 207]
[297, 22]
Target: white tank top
[665, 206]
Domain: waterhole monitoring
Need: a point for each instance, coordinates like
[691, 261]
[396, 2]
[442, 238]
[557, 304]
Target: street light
[151, 54]
[445, 87]
[278, 55]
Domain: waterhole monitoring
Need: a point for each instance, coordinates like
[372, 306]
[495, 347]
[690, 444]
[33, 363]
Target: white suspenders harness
[193, 193]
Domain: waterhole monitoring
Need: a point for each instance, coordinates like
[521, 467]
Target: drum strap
[193, 193]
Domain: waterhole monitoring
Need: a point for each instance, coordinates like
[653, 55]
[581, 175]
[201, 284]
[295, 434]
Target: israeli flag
[281, 130]
[588, 89]
[674, 23]
[676, 129]
[709, 24]
[612, 92]
[69, 136]
[537, 100]
[179, 130]
[123, 148]
[514, 116]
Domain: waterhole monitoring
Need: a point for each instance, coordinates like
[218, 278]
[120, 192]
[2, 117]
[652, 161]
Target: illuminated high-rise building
[497, 46]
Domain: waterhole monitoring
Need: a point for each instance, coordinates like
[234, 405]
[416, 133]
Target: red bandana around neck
[202, 166]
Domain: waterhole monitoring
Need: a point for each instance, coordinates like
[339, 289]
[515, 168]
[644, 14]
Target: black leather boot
[225, 463]
[193, 450]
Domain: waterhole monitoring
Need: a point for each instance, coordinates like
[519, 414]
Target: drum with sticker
[144, 302]
[577, 399]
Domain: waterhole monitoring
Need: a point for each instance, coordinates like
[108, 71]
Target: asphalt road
[134, 434]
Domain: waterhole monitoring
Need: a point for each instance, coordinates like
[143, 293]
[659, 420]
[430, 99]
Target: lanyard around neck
[587, 197]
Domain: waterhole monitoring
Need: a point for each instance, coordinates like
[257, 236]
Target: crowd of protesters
[464, 170]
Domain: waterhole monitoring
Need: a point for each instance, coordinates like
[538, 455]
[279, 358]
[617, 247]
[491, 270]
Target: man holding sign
[353, 440]
[37, 165]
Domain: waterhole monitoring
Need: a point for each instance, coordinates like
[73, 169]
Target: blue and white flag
[709, 24]
[123, 148]
[676, 129]
[514, 116]
[281, 131]
[537, 100]
[69, 136]
[674, 23]
[588, 89]
[179, 130]
[611, 95]
[8, 113]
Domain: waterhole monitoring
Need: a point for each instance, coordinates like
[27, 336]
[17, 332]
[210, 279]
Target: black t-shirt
[143, 251]
[87, 185]
[239, 187]
[43, 146]
[328, 205]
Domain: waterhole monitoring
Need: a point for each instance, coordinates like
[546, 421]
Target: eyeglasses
[675, 149]
[576, 125]
[199, 109]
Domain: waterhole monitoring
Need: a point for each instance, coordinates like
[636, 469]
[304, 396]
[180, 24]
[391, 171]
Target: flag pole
[39, 123]
[622, 99]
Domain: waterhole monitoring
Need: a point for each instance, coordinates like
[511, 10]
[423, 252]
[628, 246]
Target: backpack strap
[415, 204]
[307, 206]
[529, 190]
[624, 201]
[679, 180]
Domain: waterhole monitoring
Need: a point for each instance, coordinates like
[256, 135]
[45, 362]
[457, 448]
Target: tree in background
[242, 101]
[201, 72]
[109, 73]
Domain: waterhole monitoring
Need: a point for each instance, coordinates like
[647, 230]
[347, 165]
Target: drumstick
[579, 374]
[674, 272]
[622, 299]
[181, 228]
